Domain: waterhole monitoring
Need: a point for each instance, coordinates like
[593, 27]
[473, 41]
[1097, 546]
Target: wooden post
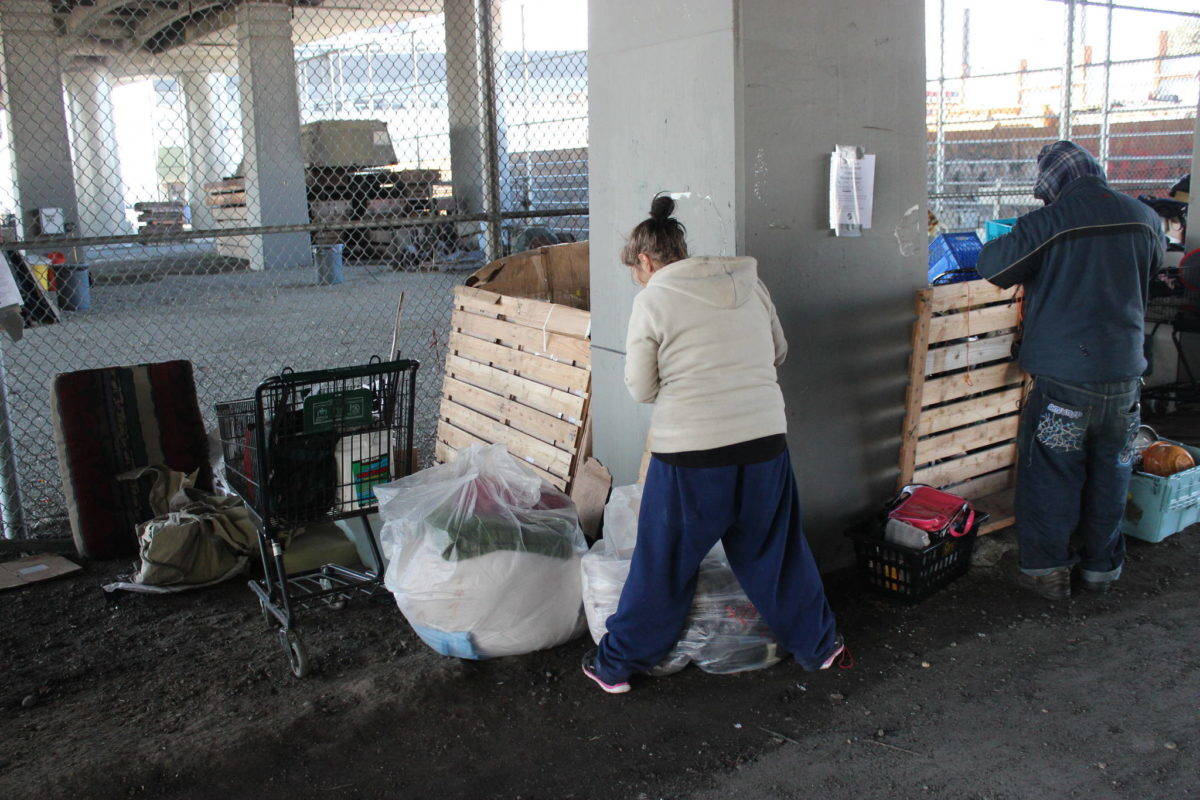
[916, 387]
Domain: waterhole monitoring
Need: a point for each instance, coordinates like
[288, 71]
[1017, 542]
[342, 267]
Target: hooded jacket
[704, 341]
[1085, 260]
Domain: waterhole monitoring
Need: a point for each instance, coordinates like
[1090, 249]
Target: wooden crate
[518, 373]
[964, 396]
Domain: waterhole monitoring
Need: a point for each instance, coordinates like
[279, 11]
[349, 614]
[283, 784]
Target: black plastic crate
[912, 575]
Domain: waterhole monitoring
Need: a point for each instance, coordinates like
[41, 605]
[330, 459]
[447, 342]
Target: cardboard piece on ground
[557, 273]
[33, 569]
[590, 491]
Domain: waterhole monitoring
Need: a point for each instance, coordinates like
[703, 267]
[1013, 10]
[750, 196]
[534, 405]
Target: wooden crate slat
[976, 381]
[960, 441]
[537, 314]
[536, 423]
[962, 469]
[533, 340]
[973, 323]
[522, 445]
[916, 387]
[556, 374]
[451, 440]
[985, 485]
[971, 410]
[969, 354]
[969, 294]
[547, 399]
[999, 505]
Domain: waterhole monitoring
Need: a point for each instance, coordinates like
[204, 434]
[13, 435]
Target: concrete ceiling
[138, 37]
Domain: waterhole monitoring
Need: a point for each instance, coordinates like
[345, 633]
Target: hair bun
[662, 207]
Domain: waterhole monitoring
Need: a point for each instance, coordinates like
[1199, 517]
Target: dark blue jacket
[1085, 261]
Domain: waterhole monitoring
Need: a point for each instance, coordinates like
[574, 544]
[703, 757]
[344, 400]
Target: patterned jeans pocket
[1130, 451]
[1062, 428]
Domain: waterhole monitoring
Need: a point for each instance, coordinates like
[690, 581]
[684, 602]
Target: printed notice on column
[851, 190]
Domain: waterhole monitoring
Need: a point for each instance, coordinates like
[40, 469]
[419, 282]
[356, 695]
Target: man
[1085, 260]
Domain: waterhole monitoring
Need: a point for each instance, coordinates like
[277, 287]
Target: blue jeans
[755, 511]
[1076, 458]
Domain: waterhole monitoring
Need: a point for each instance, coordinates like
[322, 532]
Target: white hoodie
[703, 344]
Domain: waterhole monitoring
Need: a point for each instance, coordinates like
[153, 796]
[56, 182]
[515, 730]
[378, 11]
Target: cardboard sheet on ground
[33, 569]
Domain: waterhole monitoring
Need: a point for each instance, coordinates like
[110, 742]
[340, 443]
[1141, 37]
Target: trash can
[74, 286]
[328, 259]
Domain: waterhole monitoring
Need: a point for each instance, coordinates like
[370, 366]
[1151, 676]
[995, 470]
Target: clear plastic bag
[724, 632]
[483, 556]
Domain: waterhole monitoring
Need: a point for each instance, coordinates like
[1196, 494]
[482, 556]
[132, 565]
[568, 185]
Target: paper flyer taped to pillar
[851, 190]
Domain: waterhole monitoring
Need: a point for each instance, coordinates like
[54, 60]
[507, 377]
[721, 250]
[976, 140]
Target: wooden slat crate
[964, 396]
[518, 373]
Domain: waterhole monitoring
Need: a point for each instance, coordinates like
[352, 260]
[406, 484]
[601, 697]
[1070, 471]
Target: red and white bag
[922, 515]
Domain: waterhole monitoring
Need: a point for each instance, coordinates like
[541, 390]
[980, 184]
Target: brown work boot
[1052, 586]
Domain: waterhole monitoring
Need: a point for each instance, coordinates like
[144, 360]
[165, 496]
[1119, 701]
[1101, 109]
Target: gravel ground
[236, 327]
[979, 692]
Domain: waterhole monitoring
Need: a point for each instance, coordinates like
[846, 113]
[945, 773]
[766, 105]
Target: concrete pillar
[740, 104]
[467, 91]
[97, 162]
[33, 80]
[274, 163]
[207, 161]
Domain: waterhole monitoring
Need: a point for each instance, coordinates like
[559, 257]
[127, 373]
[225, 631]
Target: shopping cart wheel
[296, 652]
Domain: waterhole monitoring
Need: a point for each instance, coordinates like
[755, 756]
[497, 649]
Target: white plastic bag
[724, 632]
[483, 556]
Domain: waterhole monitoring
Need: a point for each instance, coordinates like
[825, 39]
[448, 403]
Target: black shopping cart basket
[311, 447]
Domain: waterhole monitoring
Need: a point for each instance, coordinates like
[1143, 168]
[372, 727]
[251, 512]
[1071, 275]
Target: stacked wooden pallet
[518, 373]
[160, 217]
[964, 396]
[227, 201]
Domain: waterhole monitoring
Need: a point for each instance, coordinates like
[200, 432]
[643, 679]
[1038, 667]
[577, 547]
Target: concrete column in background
[274, 162]
[740, 104]
[37, 113]
[471, 159]
[97, 160]
[206, 142]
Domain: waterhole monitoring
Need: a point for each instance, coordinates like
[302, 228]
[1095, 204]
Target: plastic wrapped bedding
[723, 633]
[483, 556]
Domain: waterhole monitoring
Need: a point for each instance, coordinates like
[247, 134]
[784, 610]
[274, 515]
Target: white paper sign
[851, 190]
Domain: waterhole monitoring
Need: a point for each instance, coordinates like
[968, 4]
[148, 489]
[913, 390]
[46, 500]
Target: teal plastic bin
[1158, 507]
[995, 228]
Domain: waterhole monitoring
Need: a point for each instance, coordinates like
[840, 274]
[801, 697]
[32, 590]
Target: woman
[703, 345]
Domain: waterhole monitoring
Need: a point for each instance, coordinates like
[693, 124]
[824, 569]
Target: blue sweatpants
[755, 511]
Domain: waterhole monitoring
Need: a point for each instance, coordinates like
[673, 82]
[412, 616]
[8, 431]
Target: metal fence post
[492, 156]
[939, 152]
[10, 485]
[1064, 119]
[1104, 113]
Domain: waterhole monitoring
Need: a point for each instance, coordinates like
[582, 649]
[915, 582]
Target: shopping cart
[1175, 301]
[310, 447]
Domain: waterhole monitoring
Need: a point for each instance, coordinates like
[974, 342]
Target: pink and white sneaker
[839, 648]
[589, 669]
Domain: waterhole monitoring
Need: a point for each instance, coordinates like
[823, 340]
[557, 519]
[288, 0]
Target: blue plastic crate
[995, 228]
[953, 256]
[1158, 507]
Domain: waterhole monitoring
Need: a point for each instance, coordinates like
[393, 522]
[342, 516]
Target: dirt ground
[980, 692]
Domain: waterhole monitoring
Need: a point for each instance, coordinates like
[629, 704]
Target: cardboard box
[557, 273]
[364, 461]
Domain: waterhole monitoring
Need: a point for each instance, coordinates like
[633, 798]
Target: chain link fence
[1005, 79]
[251, 186]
